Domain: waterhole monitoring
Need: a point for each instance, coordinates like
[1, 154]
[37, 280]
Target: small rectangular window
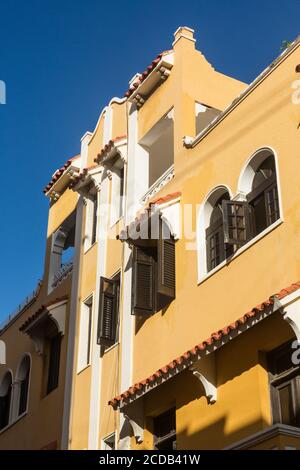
[84, 347]
[237, 222]
[285, 386]
[165, 431]
[94, 219]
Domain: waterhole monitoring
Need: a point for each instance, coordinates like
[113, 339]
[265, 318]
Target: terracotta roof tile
[58, 174]
[108, 147]
[215, 337]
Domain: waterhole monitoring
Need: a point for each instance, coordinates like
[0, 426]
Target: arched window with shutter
[5, 399]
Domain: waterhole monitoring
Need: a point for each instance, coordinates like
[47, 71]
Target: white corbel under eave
[205, 371]
[137, 429]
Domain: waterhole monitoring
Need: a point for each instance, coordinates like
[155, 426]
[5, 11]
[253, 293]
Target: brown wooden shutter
[143, 282]
[166, 263]
[108, 305]
[237, 222]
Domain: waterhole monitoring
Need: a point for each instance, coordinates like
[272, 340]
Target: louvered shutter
[236, 221]
[166, 263]
[108, 303]
[143, 282]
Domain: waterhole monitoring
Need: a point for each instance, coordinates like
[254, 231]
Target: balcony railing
[159, 184]
[63, 272]
[29, 299]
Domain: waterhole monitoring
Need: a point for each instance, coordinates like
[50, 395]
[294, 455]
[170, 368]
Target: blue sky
[63, 60]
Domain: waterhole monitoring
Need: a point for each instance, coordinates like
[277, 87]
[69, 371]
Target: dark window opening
[216, 249]
[5, 400]
[24, 385]
[263, 199]
[284, 386]
[165, 431]
[94, 220]
[108, 317]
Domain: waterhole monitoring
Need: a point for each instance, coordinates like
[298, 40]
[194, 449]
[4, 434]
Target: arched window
[5, 399]
[23, 385]
[263, 198]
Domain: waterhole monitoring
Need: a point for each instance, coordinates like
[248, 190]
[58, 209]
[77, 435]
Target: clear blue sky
[63, 60]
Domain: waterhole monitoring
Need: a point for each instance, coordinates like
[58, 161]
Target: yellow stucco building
[169, 310]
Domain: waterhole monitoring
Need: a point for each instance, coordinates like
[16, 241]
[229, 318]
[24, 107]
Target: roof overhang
[189, 359]
[154, 79]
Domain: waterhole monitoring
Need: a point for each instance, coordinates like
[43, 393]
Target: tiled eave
[156, 73]
[214, 342]
[40, 313]
[61, 180]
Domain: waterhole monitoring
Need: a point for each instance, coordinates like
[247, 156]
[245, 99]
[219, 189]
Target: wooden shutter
[108, 307]
[166, 263]
[143, 282]
[236, 221]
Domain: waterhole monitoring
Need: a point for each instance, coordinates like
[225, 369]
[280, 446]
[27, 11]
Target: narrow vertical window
[165, 431]
[5, 400]
[54, 363]
[84, 346]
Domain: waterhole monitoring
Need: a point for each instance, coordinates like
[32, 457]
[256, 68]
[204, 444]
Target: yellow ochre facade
[183, 341]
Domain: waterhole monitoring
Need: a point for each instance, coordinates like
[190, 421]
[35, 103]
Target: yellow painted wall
[243, 402]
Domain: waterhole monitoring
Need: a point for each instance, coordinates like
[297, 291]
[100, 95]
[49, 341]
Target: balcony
[159, 184]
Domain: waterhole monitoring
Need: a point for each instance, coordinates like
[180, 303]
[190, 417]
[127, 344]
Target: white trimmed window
[109, 442]
[84, 347]
[91, 219]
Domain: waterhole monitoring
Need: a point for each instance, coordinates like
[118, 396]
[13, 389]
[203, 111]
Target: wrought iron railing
[29, 299]
[159, 184]
[63, 272]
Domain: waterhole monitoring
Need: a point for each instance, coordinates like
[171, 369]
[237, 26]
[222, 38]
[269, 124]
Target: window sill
[241, 250]
[14, 422]
[111, 347]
